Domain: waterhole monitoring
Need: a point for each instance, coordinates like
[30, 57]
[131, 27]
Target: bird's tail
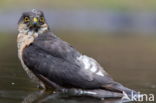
[117, 87]
[96, 93]
[112, 90]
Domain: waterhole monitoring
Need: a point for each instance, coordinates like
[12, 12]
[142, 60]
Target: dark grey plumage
[56, 60]
[58, 64]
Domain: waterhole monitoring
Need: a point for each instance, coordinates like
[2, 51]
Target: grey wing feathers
[55, 46]
[56, 60]
[56, 69]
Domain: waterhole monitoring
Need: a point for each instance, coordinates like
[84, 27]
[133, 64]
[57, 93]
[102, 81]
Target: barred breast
[24, 40]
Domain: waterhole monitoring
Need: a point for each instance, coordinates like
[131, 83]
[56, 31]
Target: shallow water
[129, 59]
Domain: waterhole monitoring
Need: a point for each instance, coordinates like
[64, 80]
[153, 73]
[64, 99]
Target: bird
[53, 63]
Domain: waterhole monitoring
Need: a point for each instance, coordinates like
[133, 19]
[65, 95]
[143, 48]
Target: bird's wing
[59, 62]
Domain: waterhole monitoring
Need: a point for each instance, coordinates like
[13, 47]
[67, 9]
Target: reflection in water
[35, 96]
[41, 97]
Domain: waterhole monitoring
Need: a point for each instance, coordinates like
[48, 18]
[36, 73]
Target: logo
[138, 97]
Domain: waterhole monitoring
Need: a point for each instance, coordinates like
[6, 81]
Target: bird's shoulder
[55, 46]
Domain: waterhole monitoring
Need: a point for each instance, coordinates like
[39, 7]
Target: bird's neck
[23, 41]
[43, 29]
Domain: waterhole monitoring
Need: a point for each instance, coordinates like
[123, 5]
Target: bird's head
[32, 22]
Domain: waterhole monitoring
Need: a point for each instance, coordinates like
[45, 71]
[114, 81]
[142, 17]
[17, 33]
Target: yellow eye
[26, 19]
[42, 19]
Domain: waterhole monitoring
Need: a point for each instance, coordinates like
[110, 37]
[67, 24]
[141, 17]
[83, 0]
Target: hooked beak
[35, 21]
[35, 25]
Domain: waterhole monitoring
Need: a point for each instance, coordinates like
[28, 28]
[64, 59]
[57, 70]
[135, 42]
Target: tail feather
[96, 93]
[103, 94]
[117, 87]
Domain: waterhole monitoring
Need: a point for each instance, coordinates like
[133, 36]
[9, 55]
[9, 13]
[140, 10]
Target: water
[129, 59]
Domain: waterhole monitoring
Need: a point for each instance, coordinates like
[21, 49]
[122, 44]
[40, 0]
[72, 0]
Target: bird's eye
[26, 19]
[42, 19]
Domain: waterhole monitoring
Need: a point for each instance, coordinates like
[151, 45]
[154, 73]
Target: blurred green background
[87, 4]
[119, 34]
